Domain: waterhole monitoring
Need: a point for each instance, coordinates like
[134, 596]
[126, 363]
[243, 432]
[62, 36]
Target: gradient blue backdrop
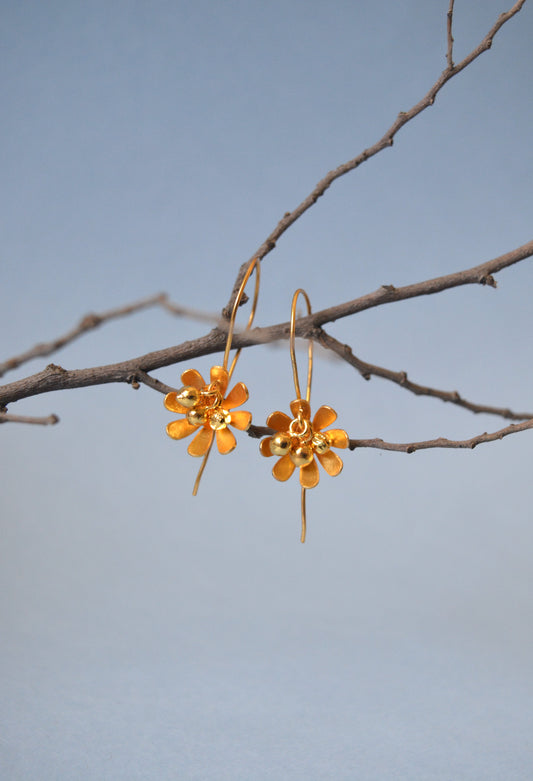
[150, 146]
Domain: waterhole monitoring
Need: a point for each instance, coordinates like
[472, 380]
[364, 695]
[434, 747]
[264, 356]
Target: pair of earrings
[209, 410]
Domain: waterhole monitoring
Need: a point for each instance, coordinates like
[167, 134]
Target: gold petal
[301, 406]
[194, 378]
[226, 442]
[283, 468]
[331, 462]
[309, 475]
[180, 428]
[220, 375]
[237, 396]
[173, 404]
[325, 416]
[240, 419]
[264, 447]
[201, 443]
[337, 437]
[279, 421]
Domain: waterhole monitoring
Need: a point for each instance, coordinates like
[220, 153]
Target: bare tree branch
[56, 378]
[367, 370]
[411, 447]
[386, 141]
[388, 294]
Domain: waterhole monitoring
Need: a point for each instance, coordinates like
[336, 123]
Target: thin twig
[93, 320]
[140, 376]
[411, 447]
[367, 370]
[449, 22]
[6, 417]
[191, 314]
[386, 141]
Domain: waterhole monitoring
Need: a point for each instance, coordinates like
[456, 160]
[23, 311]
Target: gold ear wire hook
[255, 264]
[292, 340]
[300, 292]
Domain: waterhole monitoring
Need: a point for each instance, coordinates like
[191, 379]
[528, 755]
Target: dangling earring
[208, 411]
[300, 439]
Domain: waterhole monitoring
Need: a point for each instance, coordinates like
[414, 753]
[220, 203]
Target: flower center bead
[188, 396]
[196, 417]
[280, 444]
[301, 455]
[320, 443]
[218, 418]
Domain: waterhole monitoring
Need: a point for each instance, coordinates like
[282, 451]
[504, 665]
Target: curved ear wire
[292, 349]
[254, 265]
[300, 292]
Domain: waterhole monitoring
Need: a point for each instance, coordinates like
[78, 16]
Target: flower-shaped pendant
[208, 411]
[298, 440]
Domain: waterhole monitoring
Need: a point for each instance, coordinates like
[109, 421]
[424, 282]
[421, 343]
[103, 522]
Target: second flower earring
[298, 440]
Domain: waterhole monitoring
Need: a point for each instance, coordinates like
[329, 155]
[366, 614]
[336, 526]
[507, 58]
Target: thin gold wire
[255, 264]
[301, 292]
[201, 470]
[292, 340]
[304, 521]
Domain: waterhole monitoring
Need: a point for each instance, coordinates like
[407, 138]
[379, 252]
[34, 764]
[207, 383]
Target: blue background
[152, 147]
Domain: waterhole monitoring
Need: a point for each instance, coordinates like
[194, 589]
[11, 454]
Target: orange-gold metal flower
[300, 440]
[208, 411]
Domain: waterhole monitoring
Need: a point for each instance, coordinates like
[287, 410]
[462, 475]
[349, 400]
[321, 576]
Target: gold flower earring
[207, 409]
[300, 439]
